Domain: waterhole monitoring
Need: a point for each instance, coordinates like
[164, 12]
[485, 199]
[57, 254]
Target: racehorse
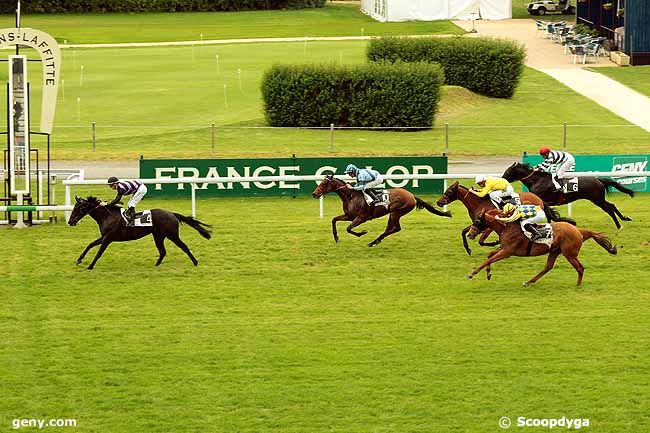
[113, 228]
[358, 211]
[475, 205]
[567, 240]
[590, 188]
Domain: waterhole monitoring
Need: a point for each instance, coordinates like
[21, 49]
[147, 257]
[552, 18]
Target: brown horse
[567, 240]
[476, 205]
[356, 209]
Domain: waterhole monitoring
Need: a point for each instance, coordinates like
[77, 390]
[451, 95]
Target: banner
[622, 163]
[175, 168]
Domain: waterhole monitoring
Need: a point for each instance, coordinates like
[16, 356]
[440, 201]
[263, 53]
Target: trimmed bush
[79, 6]
[491, 67]
[373, 95]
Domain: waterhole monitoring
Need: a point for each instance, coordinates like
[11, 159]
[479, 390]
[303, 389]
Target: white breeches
[497, 194]
[137, 196]
[567, 166]
[537, 218]
[378, 181]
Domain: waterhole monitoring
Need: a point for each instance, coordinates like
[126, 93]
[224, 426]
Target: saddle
[546, 231]
[142, 219]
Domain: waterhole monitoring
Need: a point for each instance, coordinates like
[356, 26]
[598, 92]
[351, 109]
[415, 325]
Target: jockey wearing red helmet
[563, 162]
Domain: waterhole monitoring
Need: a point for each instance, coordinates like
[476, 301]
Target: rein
[529, 175]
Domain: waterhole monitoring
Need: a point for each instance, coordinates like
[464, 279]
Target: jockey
[529, 214]
[366, 180]
[564, 162]
[498, 188]
[127, 187]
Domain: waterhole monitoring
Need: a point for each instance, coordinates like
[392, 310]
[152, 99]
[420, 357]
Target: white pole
[239, 78]
[193, 200]
[79, 108]
[570, 209]
[444, 188]
[81, 76]
[68, 202]
[39, 176]
[20, 223]
[217, 57]
[320, 204]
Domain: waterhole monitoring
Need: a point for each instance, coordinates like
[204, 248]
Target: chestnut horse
[567, 240]
[475, 205]
[356, 209]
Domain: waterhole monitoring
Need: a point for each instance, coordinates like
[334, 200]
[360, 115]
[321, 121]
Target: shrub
[491, 67]
[79, 6]
[373, 95]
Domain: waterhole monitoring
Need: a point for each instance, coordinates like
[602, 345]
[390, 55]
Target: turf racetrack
[281, 330]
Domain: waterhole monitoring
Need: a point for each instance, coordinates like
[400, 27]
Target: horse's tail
[554, 216]
[613, 184]
[601, 239]
[195, 224]
[423, 204]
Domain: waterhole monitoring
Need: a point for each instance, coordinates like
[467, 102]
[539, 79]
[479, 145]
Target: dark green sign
[622, 163]
[206, 168]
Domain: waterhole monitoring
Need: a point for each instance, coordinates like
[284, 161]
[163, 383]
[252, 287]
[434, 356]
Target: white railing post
[68, 202]
[321, 201]
[193, 200]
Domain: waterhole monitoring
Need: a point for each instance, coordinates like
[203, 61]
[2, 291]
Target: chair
[590, 49]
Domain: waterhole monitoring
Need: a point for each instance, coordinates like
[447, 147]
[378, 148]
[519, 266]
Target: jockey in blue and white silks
[366, 180]
[529, 214]
[135, 188]
[564, 162]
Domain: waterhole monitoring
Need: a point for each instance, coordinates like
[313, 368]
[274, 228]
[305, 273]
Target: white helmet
[480, 178]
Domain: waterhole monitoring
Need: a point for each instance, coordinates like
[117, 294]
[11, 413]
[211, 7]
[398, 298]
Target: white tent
[431, 10]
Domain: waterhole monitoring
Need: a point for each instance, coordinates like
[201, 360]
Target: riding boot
[530, 228]
[372, 195]
[558, 183]
[130, 217]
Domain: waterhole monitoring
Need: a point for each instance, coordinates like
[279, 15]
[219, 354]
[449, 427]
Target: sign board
[622, 163]
[175, 168]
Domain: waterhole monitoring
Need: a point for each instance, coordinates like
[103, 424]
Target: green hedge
[491, 67]
[373, 95]
[78, 6]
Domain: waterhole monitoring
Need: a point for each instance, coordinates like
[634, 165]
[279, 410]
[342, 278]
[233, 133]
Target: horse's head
[450, 195]
[81, 209]
[516, 171]
[327, 185]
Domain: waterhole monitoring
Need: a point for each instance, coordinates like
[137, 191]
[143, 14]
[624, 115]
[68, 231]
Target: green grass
[280, 330]
[160, 102]
[331, 20]
[637, 77]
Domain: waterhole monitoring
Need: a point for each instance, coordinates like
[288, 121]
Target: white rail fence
[194, 181]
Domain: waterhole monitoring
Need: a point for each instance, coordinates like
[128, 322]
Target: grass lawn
[637, 77]
[279, 329]
[331, 20]
[160, 102]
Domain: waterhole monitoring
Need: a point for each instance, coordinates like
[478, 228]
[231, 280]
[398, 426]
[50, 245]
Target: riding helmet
[480, 178]
[112, 180]
[509, 208]
[544, 151]
[351, 169]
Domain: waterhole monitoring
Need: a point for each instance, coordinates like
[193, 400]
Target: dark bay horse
[356, 209]
[476, 205]
[113, 229]
[589, 188]
[567, 240]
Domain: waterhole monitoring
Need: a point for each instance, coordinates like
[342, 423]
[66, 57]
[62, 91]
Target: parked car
[544, 7]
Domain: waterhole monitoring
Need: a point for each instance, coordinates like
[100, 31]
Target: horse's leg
[102, 248]
[392, 227]
[88, 248]
[463, 235]
[578, 267]
[180, 244]
[484, 236]
[618, 212]
[488, 268]
[159, 238]
[550, 262]
[357, 221]
[497, 255]
[334, 221]
[607, 207]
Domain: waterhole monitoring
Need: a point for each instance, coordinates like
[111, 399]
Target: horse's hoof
[336, 240]
[372, 244]
[78, 262]
[363, 232]
[469, 252]
[90, 268]
[626, 219]
[526, 284]
[489, 277]
[470, 276]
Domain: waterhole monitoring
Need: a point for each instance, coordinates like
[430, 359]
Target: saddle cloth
[382, 194]
[515, 200]
[547, 234]
[142, 219]
[571, 185]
